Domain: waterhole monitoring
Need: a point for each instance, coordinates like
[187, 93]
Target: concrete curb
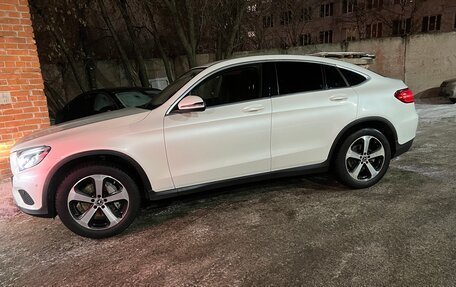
[7, 206]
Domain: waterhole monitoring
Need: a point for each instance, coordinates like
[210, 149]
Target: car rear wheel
[97, 201]
[363, 158]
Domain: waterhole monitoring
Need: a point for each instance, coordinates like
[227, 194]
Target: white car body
[173, 152]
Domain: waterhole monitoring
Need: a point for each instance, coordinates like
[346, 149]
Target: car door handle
[252, 109]
[338, 98]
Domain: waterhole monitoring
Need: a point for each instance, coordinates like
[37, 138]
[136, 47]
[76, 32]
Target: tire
[97, 201]
[359, 167]
[453, 100]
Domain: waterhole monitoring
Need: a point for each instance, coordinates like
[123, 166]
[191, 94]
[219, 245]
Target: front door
[230, 139]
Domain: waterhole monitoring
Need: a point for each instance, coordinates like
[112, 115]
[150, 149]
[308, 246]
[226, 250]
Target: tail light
[405, 96]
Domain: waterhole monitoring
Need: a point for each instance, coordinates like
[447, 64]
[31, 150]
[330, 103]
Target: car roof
[275, 57]
[288, 57]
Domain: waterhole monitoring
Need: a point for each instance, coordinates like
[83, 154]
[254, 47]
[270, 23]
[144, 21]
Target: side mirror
[191, 104]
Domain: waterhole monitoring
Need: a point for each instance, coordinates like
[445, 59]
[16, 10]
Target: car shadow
[158, 212]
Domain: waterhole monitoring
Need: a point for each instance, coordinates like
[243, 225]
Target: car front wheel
[97, 201]
[363, 158]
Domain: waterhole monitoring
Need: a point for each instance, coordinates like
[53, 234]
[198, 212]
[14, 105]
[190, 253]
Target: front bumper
[28, 192]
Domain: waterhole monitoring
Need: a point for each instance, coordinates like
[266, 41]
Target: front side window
[297, 77]
[230, 86]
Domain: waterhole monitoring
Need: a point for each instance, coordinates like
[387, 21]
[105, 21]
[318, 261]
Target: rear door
[314, 104]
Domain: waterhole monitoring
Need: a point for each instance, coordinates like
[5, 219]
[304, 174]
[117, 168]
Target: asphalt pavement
[302, 231]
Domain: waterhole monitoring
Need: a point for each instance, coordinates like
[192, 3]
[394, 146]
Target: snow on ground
[432, 113]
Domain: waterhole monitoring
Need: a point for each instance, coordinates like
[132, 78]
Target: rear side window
[101, 103]
[334, 79]
[296, 77]
[77, 108]
[353, 78]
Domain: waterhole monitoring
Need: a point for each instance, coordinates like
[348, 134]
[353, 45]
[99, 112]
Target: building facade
[291, 23]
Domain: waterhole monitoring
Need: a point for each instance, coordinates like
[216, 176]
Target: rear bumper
[402, 148]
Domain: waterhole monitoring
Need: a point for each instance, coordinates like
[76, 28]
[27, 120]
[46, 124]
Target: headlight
[28, 158]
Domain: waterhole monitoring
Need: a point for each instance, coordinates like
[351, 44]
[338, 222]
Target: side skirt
[298, 171]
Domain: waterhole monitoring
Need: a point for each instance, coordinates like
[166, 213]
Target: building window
[306, 14]
[371, 4]
[350, 34]
[348, 6]
[285, 18]
[402, 27]
[326, 36]
[326, 10]
[431, 23]
[305, 39]
[252, 8]
[374, 30]
[268, 21]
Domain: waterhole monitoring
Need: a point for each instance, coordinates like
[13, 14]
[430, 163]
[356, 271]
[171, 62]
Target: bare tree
[54, 19]
[292, 19]
[89, 63]
[226, 17]
[134, 41]
[128, 69]
[356, 17]
[154, 31]
[187, 16]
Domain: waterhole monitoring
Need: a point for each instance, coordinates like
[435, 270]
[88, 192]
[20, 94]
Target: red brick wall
[20, 79]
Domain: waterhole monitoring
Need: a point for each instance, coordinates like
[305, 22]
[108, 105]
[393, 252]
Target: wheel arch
[379, 123]
[125, 162]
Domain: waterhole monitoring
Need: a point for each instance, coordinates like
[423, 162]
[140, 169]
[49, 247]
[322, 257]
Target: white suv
[225, 123]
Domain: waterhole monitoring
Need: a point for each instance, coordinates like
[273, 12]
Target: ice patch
[426, 171]
[433, 113]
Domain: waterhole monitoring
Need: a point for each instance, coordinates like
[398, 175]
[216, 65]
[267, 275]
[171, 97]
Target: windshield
[133, 98]
[170, 90]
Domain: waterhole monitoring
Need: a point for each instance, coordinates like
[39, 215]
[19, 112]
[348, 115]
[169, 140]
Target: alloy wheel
[98, 202]
[365, 158]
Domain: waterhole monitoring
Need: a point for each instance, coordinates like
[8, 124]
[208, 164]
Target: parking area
[288, 232]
